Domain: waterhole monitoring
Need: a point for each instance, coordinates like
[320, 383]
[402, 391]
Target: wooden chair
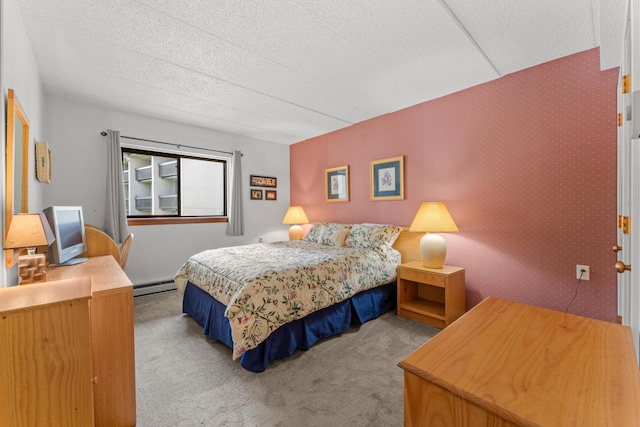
[100, 243]
[124, 250]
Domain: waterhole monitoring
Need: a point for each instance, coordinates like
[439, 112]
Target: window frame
[177, 218]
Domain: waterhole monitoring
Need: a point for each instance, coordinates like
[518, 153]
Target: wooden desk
[112, 341]
[510, 364]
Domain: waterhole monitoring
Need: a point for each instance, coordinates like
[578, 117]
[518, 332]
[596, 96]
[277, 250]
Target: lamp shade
[295, 215]
[28, 231]
[433, 217]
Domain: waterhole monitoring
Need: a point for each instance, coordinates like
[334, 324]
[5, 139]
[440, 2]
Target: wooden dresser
[45, 355]
[112, 340]
[510, 364]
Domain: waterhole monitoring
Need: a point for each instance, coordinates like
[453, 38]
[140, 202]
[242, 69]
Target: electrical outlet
[583, 275]
[260, 239]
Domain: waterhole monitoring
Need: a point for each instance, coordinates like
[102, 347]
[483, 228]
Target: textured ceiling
[288, 70]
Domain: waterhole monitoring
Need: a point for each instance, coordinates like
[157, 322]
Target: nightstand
[429, 295]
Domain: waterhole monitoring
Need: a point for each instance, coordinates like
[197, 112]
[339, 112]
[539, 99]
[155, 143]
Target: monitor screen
[70, 228]
[67, 224]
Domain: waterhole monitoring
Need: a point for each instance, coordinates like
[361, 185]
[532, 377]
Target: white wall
[3, 124]
[73, 131]
[78, 158]
[19, 71]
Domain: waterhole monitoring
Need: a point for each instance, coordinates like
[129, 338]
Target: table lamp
[433, 217]
[27, 231]
[295, 216]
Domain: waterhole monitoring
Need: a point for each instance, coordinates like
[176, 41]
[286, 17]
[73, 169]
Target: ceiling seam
[168, 107]
[459, 23]
[126, 48]
[595, 19]
[202, 99]
[60, 91]
[334, 30]
[236, 84]
[258, 54]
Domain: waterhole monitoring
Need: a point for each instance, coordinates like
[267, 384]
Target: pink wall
[526, 165]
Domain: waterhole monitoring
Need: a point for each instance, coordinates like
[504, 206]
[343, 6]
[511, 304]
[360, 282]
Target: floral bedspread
[266, 285]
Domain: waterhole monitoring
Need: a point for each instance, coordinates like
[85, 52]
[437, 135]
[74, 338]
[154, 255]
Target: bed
[267, 300]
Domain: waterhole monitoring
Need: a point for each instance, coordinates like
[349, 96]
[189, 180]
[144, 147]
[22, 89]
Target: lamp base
[433, 250]
[295, 232]
[31, 268]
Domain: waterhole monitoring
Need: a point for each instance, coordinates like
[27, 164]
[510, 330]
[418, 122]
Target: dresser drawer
[422, 277]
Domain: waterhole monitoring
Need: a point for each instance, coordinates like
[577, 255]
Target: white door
[629, 179]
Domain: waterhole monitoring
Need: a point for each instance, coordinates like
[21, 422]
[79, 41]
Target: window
[173, 185]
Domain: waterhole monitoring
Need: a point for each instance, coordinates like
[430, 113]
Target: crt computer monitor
[67, 224]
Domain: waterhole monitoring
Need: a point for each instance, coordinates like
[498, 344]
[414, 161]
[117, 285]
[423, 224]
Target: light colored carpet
[185, 379]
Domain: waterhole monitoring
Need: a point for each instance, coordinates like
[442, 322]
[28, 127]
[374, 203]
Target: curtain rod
[103, 133]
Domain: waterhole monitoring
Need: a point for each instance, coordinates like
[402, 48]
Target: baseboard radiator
[152, 288]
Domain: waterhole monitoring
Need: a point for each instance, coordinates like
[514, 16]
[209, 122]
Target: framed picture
[387, 179]
[270, 195]
[43, 162]
[256, 194]
[263, 181]
[337, 184]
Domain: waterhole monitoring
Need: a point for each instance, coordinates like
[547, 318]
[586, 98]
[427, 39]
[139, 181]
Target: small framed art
[263, 181]
[256, 194]
[43, 162]
[270, 195]
[337, 184]
[387, 179]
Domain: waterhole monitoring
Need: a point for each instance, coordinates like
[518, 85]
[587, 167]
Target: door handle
[617, 248]
[621, 267]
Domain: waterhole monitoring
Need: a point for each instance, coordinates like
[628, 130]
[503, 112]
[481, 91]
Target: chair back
[124, 250]
[100, 243]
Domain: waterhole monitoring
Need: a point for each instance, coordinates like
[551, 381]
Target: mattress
[265, 286]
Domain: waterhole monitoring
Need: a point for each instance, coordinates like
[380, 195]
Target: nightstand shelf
[424, 307]
[432, 296]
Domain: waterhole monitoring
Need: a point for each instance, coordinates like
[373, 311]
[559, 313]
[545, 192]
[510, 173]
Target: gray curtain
[235, 227]
[115, 217]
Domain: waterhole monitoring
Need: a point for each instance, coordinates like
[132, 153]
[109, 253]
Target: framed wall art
[337, 184]
[256, 194]
[263, 181]
[270, 195]
[43, 162]
[387, 179]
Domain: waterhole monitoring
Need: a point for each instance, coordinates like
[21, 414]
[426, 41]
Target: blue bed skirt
[300, 334]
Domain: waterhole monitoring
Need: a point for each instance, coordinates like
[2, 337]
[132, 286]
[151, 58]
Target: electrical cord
[576, 292]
